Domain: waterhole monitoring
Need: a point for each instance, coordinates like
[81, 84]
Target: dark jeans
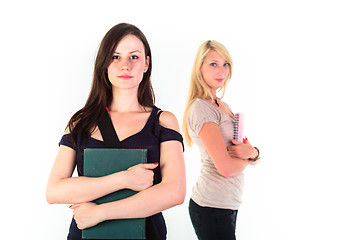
[213, 223]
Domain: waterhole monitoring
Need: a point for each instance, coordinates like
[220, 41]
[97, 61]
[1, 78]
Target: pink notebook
[238, 133]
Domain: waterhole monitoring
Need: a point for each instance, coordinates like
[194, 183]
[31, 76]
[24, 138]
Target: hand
[86, 214]
[140, 177]
[242, 150]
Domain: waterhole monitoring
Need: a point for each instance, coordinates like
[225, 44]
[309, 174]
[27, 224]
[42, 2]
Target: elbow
[178, 196]
[49, 198]
[51, 193]
[231, 170]
[224, 167]
[225, 172]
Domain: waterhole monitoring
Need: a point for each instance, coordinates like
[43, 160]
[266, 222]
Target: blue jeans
[213, 223]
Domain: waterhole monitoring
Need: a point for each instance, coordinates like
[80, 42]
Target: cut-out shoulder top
[150, 137]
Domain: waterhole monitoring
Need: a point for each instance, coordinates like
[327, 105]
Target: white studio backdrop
[296, 78]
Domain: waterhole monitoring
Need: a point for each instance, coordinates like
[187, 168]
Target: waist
[214, 190]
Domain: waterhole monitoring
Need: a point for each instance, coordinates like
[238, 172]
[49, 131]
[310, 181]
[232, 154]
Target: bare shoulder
[67, 130]
[169, 120]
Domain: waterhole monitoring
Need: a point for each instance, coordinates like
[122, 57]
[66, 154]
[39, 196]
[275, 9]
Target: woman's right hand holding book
[140, 176]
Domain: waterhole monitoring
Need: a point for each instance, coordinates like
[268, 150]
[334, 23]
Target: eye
[133, 57]
[226, 64]
[116, 57]
[213, 64]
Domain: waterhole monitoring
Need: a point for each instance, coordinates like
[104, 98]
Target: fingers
[150, 165]
[244, 140]
[74, 206]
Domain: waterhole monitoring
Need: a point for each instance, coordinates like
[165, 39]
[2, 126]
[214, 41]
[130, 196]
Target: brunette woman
[122, 89]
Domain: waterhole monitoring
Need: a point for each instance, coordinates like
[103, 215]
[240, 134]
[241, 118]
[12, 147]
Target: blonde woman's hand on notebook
[242, 150]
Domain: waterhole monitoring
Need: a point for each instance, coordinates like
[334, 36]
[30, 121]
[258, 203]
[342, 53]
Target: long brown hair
[100, 96]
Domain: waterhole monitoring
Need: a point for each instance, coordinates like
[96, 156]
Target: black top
[149, 138]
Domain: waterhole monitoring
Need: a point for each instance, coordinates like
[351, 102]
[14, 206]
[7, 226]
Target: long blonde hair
[198, 87]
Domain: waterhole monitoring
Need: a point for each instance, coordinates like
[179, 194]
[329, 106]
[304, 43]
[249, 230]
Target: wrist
[255, 156]
[102, 212]
[121, 182]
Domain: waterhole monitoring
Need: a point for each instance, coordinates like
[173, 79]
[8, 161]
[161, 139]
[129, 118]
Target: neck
[212, 97]
[125, 101]
[214, 100]
[213, 94]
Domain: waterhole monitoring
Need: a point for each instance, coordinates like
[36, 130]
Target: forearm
[235, 165]
[231, 167]
[145, 203]
[63, 188]
[83, 189]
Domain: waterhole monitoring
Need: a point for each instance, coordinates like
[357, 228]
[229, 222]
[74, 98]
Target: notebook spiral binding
[238, 127]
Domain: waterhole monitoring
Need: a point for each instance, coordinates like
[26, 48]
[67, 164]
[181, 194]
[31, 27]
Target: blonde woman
[208, 122]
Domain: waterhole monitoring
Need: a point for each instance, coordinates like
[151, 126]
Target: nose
[124, 65]
[221, 70]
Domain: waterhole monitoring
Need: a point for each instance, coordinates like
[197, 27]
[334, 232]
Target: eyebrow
[129, 52]
[218, 61]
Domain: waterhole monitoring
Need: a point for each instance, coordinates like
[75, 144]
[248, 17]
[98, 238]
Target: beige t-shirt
[212, 189]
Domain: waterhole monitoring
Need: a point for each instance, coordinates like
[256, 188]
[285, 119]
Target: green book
[104, 161]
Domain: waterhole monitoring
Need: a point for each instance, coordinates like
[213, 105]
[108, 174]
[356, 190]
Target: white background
[296, 73]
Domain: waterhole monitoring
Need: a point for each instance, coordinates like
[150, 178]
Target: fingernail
[71, 206]
[244, 140]
[155, 163]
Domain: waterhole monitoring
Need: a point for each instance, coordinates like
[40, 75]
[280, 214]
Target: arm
[212, 139]
[63, 188]
[168, 193]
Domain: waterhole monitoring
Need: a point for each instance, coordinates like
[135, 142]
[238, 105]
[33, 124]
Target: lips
[125, 76]
[219, 80]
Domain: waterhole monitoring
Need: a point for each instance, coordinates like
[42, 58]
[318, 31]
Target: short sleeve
[199, 113]
[167, 134]
[67, 141]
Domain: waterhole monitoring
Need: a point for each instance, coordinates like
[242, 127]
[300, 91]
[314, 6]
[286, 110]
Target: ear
[146, 64]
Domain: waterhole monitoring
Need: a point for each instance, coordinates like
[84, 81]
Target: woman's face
[128, 63]
[214, 70]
